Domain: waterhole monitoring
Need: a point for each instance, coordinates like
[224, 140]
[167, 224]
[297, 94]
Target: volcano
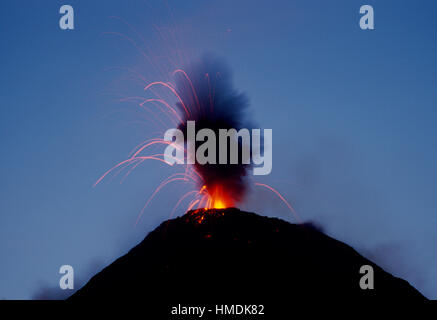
[227, 255]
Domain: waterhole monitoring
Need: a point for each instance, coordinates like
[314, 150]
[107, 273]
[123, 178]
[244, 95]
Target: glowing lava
[219, 200]
[219, 204]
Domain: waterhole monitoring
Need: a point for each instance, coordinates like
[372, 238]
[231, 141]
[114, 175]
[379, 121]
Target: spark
[169, 86]
[280, 197]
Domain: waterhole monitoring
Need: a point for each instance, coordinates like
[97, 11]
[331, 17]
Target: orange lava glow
[219, 204]
[218, 199]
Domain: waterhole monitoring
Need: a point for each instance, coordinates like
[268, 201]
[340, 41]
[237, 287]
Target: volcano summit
[217, 255]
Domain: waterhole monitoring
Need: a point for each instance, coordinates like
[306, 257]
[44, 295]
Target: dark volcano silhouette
[239, 257]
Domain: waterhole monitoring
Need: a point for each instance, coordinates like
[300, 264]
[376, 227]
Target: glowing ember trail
[280, 197]
[203, 94]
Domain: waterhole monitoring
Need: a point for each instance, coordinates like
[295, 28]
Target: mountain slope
[231, 255]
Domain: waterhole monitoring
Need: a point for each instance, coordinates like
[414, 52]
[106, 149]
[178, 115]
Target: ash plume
[213, 102]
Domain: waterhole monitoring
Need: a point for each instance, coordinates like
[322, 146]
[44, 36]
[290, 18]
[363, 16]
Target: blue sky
[353, 115]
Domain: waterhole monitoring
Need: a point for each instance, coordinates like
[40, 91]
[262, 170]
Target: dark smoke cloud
[214, 103]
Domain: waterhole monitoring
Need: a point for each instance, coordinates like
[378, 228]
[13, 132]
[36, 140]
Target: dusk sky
[353, 114]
